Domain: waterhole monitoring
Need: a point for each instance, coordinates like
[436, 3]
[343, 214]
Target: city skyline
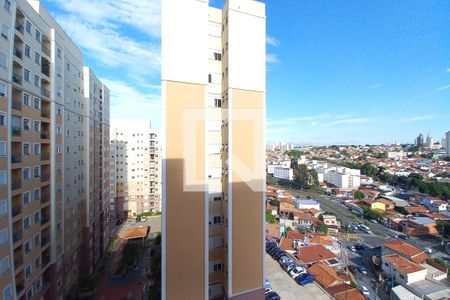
[360, 65]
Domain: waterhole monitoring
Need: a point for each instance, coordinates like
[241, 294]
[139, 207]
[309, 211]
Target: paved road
[287, 288]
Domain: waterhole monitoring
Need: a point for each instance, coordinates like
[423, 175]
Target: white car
[143, 218]
[364, 290]
[297, 271]
[427, 250]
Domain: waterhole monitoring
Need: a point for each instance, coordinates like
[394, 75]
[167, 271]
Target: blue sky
[337, 71]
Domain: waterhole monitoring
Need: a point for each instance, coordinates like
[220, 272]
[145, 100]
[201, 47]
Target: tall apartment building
[43, 183]
[135, 176]
[213, 92]
[447, 142]
[343, 177]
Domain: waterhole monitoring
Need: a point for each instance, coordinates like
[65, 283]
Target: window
[217, 56]
[58, 130]
[38, 260]
[26, 99]
[5, 31]
[7, 295]
[26, 222]
[27, 247]
[26, 198]
[401, 276]
[37, 81]
[27, 51]
[28, 26]
[38, 36]
[29, 293]
[37, 149]
[58, 52]
[4, 265]
[3, 207]
[26, 149]
[37, 58]
[26, 124]
[37, 194]
[3, 60]
[37, 103]
[28, 271]
[36, 172]
[209, 78]
[37, 219]
[36, 126]
[3, 236]
[3, 89]
[2, 178]
[217, 102]
[7, 5]
[26, 173]
[26, 75]
[2, 148]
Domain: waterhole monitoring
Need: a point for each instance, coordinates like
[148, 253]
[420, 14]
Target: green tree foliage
[443, 227]
[305, 178]
[294, 154]
[371, 214]
[321, 227]
[359, 195]
[270, 218]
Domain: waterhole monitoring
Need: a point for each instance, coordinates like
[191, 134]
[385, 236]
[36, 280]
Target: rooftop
[315, 253]
[402, 247]
[402, 264]
[324, 274]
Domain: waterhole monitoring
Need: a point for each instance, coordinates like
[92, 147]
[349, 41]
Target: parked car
[403, 236]
[304, 278]
[279, 254]
[297, 271]
[284, 259]
[268, 288]
[138, 218]
[119, 221]
[143, 218]
[352, 248]
[362, 269]
[359, 247]
[270, 245]
[392, 234]
[364, 290]
[288, 266]
[427, 250]
[273, 250]
[272, 296]
[374, 221]
[352, 268]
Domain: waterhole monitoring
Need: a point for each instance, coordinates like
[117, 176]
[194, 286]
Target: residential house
[404, 249]
[435, 204]
[333, 224]
[312, 254]
[344, 291]
[286, 245]
[307, 204]
[273, 230]
[402, 270]
[380, 204]
[419, 226]
[412, 210]
[324, 274]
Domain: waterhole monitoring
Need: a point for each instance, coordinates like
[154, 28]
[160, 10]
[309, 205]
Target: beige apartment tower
[213, 93]
[45, 156]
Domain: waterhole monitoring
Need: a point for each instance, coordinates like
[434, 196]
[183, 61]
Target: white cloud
[375, 86]
[272, 41]
[348, 121]
[271, 58]
[443, 88]
[416, 119]
[448, 70]
[145, 16]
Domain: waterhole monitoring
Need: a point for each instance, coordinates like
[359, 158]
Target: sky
[338, 72]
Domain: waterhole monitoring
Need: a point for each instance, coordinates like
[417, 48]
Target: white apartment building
[342, 177]
[43, 156]
[282, 172]
[447, 142]
[136, 164]
[402, 270]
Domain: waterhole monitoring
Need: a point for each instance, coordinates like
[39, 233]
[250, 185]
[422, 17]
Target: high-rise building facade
[43, 160]
[136, 164]
[447, 142]
[430, 141]
[213, 93]
[419, 141]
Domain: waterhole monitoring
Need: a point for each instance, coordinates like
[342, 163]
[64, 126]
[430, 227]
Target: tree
[443, 227]
[321, 227]
[301, 176]
[270, 218]
[359, 195]
[294, 154]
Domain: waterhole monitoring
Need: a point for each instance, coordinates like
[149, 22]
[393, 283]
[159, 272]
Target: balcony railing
[16, 184]
[44, 219]
[45, 114]
[45, 155]
[17, 105]
[45, 135]
[16, 211]
[16, 158]
[45, 177]
[18, 262]
[45, 198]
[19, 287]
[16, 131]
[45, 92]
[45, 49]
[17, 52]
[44, 241]
[17, 78]
[17, 236]
[19, 27]
[45, 260]
[45, 69]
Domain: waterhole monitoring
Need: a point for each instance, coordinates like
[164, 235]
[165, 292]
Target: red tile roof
[406, 249]
[286, 244]
[402, 264]
[315, 253]
[324, 274]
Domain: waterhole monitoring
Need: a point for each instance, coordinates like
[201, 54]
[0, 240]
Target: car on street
[403, 236]
[359, 247]
[304, 278]
[392, 234]
[362, 269]
[297, 271]
[270, 245]
[427, 250]
[351, 268]
[268, 288]
[143, 218]
[279, 254]
[273, 250]
[374, 221]
[352, 248]
[272, 296]
[288, 266]
[284, 259]
[364, 290]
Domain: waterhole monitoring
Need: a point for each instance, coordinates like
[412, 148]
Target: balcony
[17, 53]
[19, 287]
[44, 219]
[45, 92]
[45, 69]
[44, 241]
[16, 158]
[45, 260]
[45, 155]
[45, 198]
[18, 262]
[19, 27]
[17, 210]
[45, 49]
[45, 134]
[16, 131]
[16, 184]
[45, 177]
[17, 79]
[17, 104]
[17, 236]
[45, 114]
